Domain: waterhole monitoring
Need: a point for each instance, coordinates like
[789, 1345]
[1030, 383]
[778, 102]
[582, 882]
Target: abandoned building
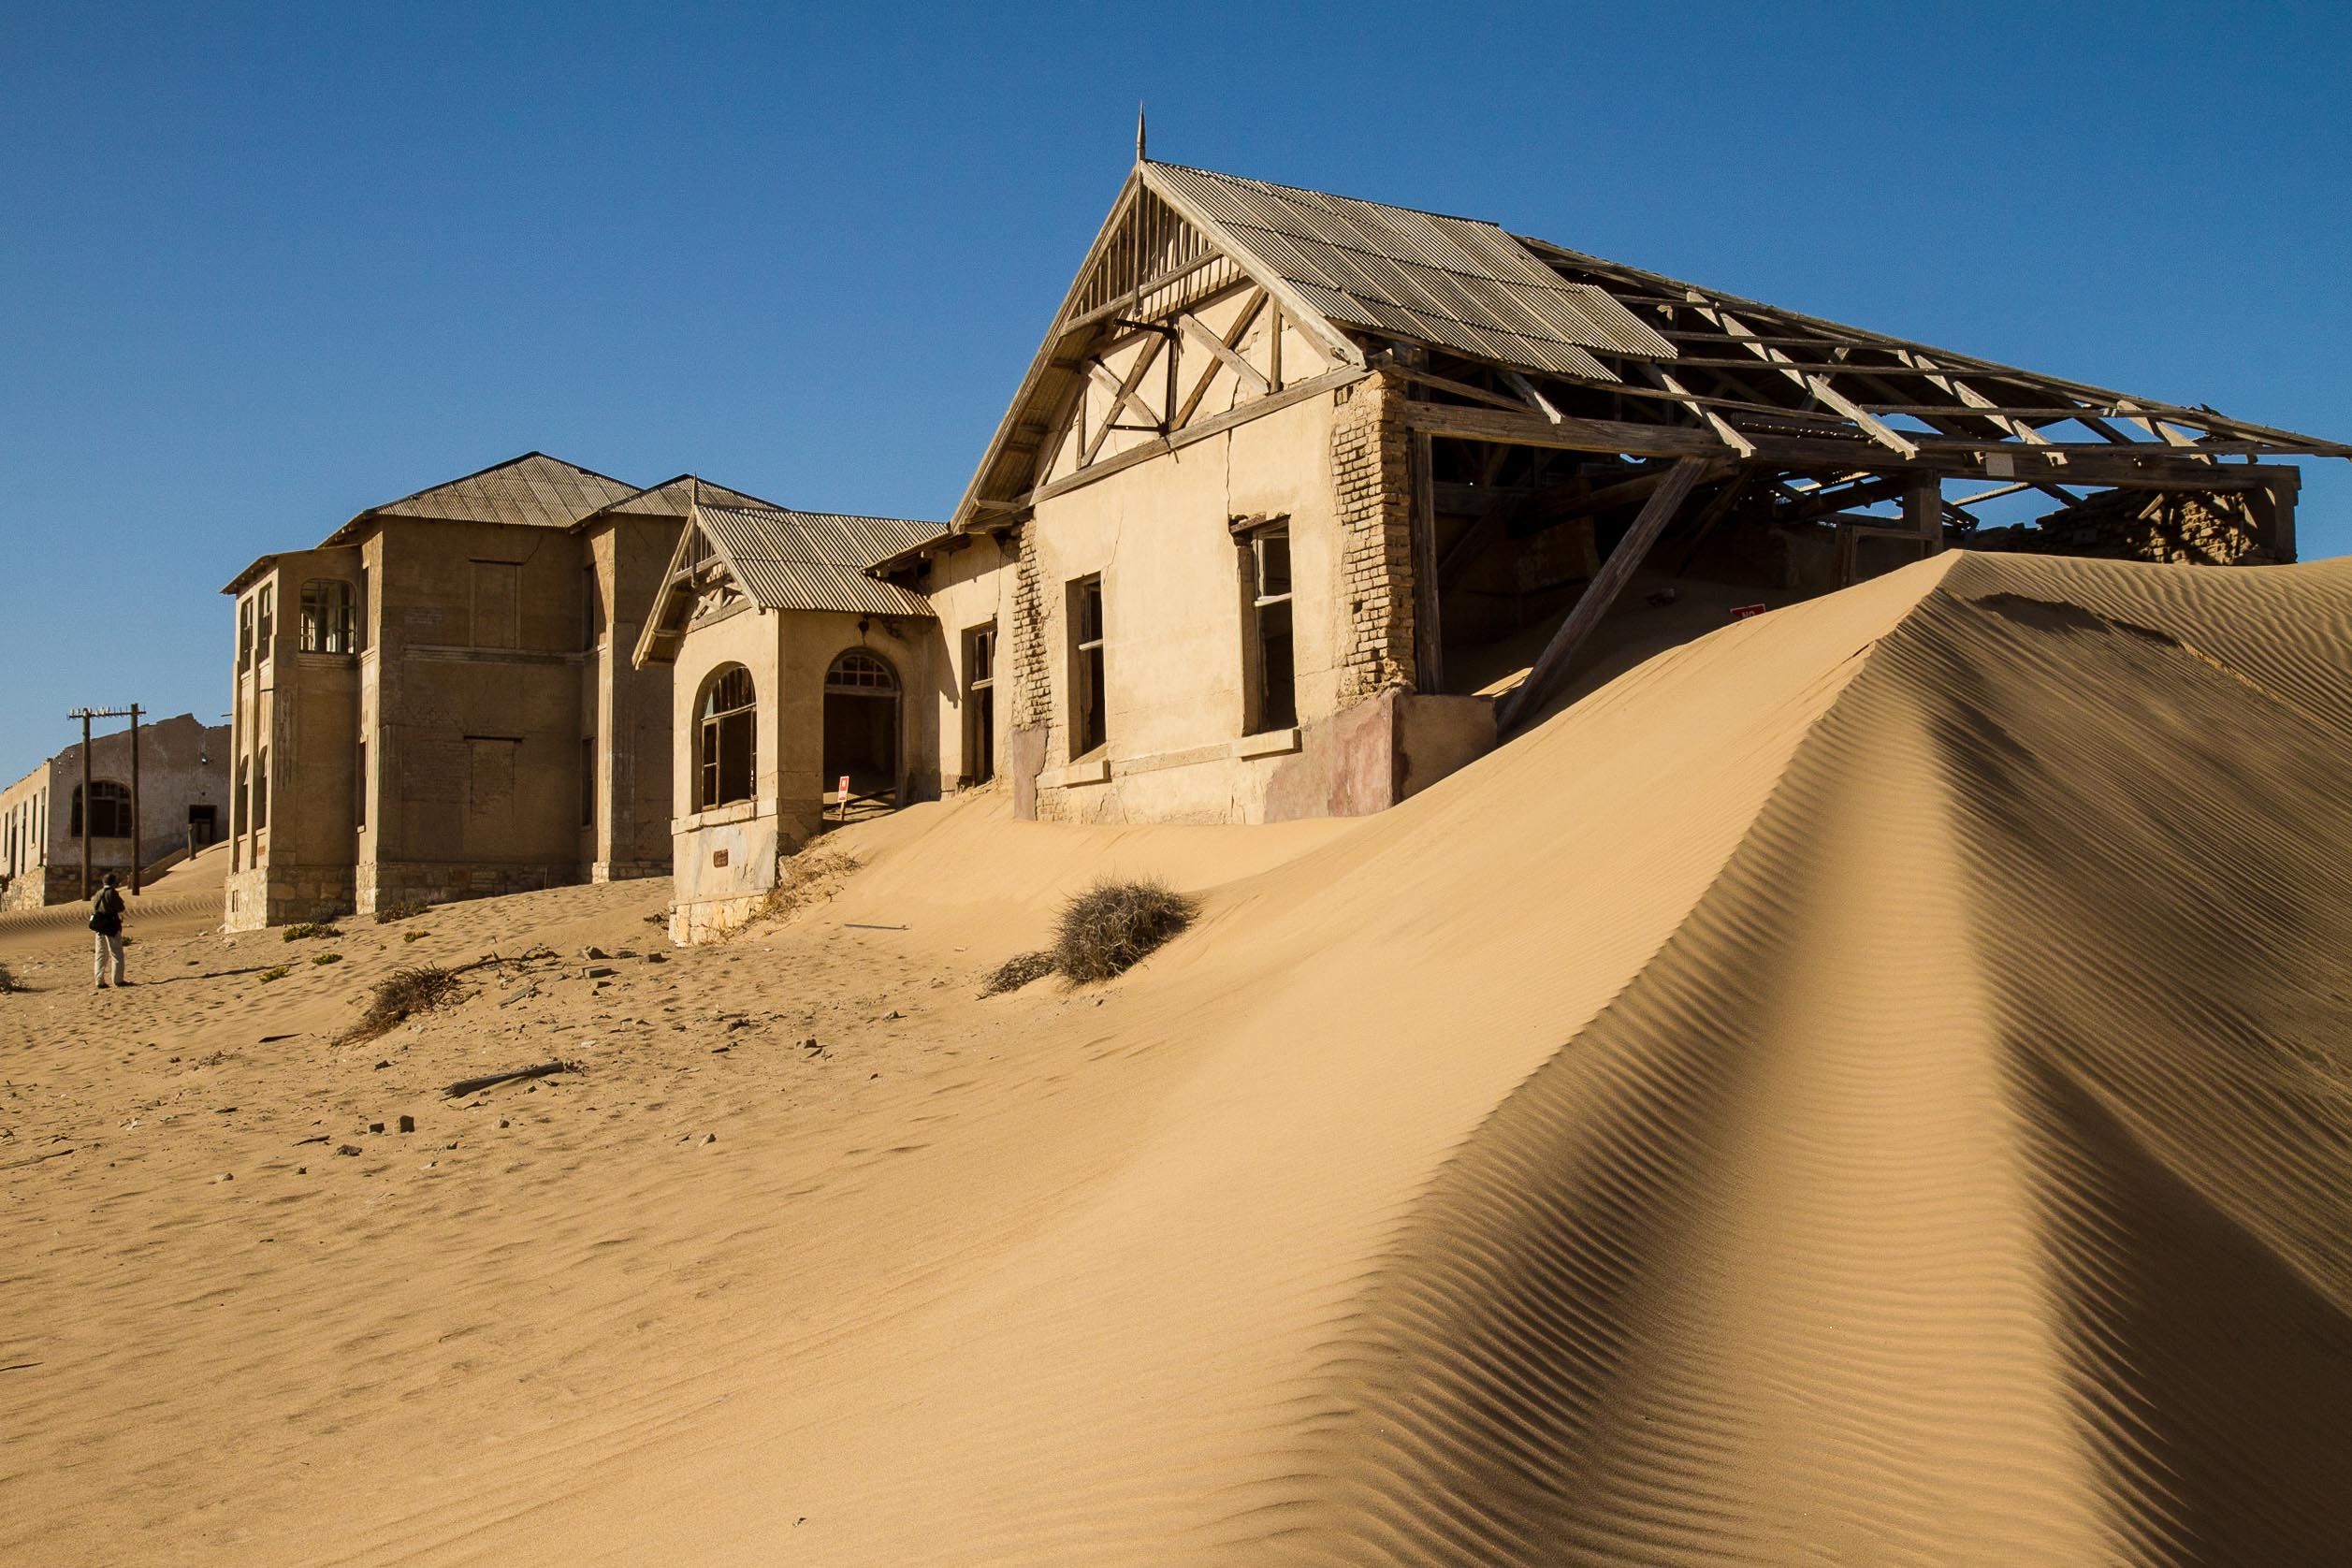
[180, 790]
[436, 702]
[806, 689]
[1303, 499]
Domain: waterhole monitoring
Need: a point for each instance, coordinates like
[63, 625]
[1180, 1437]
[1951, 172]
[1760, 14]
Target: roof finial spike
[1138, 130]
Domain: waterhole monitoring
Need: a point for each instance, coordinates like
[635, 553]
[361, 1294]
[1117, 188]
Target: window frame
[326, 622]
[1090, 702]
[979, 697]
[713, 727]
[1274, 703]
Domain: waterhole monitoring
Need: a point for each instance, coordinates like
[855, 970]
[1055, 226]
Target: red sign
[1745, 611]
[844, 788]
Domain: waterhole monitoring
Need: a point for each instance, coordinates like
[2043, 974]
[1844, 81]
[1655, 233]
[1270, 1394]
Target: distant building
[436, 702]
[796, 671]
[1298, 487]
[183, 778]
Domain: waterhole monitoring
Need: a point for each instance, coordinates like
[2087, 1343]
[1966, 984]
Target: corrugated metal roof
[1451, 282]
[533, 491]
[815, 561]
[675, 498]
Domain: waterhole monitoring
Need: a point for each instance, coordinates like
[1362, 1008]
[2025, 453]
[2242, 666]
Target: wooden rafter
[1224, 353]
[1616, 572]
[1231, 339]
[1122, 390]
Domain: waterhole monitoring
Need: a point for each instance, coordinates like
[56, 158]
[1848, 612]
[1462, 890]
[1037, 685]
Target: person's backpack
[106, 912]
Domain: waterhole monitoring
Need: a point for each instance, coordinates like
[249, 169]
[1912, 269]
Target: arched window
[326, 616]
[858, 673]
[110, 810]
[261, 791]
[241, 813]
[726, 764]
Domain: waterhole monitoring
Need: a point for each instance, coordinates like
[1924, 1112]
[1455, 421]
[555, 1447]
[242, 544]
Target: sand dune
[1869, 1086]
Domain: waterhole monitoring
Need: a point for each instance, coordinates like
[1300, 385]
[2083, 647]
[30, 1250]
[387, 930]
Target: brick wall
[1026, 659]
[1374, 493]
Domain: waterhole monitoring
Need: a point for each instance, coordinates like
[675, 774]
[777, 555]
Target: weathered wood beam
[2140, 464]
[1715, 421]
[1233, 335]
[1877, 431]
[1144, 451]
[1224, 353]
[1458, 389]
[1585, 615]
[1122, 390]
[1529, 393]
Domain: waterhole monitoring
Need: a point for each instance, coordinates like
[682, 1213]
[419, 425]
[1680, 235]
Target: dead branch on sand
[488, 1081]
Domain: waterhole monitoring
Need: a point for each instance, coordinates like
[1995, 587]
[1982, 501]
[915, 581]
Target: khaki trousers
[109, 947]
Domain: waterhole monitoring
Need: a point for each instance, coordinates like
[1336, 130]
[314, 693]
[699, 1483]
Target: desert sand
[1871, 1085]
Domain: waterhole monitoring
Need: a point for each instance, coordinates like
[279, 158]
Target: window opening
[979, 703]
[110, 810]
[726, 729]
[1269, 603]
[1089, 723]
[326, 616]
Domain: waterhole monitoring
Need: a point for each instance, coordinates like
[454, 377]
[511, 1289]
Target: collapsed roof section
[773, 558]
[1519, 340]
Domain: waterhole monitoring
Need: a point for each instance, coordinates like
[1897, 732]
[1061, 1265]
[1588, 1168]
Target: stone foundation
[284, 895]
[384, 885]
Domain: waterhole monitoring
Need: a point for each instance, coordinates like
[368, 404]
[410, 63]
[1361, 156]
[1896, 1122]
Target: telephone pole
[86, 811]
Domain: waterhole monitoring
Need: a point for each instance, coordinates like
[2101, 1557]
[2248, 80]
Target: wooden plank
[1715, 421]
[1532, 398]
[1122, 392]
[1820, 388]
[1233, 335]
[1458, 389]
[1924, 509]
[1344, 375]
[1273, 345]
[1616, 572]
[2141, 464]
[1428, 645]
[1195, 328]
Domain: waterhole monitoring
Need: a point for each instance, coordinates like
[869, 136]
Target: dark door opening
[203, 827]
[860, 735]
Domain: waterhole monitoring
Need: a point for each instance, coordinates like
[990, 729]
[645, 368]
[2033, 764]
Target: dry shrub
[326, 958]
[1018, 971]
[390, 912]
[403, 993]
[1111, 926]
[281, 972]
[810, 876]
[9, 984]
[305, 930]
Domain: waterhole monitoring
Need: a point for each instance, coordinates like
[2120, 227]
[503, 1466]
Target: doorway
[203, 828]
[861, 705]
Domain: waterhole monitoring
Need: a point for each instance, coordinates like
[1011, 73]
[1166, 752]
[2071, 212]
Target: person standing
[105, 920]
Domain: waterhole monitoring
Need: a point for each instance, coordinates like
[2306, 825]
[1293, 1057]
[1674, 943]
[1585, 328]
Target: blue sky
[261, 268]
